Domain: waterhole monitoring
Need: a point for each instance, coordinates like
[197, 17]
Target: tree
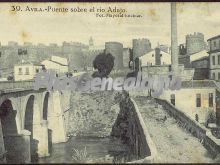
[104, 63]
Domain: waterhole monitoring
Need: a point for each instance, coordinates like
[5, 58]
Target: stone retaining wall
[131, 129]
[92, 114]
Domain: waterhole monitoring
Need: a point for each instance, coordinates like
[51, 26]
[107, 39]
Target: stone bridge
[31, 120]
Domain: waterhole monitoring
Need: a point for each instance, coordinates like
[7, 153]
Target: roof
[198, 55]
[54, 62]
[202, 58]
[215, 37]
[213, 51]
[59, 60]
[198, 84]
[28, 63]
[58, 63]
[153, 50]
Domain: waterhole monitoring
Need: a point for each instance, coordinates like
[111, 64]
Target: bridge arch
[9, 127]
[8, 117]
[46, 111]
[30, 115]
[45, 105]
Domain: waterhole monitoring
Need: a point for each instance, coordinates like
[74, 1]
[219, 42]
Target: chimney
[174, 44]
[157, 56]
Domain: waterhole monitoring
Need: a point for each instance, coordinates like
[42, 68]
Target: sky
[51, 27]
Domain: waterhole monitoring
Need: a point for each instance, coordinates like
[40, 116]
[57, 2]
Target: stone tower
[91, 42]
[140, 47]
[195, 43]
[116, 49]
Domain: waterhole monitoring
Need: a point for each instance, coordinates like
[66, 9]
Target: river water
[89, 150]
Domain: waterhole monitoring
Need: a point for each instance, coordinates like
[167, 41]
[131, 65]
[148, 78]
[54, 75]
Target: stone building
[199, 61]
[26, 71]
[57, 64]
[155, 57]
[201, 98]
[201, 67]
[214, 57]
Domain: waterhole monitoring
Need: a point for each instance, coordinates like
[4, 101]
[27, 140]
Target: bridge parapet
[211, 143]
[10, 86]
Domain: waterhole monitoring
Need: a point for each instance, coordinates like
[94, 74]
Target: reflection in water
[98, 150]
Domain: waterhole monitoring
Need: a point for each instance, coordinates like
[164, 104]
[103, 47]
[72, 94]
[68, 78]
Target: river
[88, 150]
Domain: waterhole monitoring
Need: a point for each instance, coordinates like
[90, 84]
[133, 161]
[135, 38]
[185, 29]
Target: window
[27, 71]
[172, 99]
[209, 45]
[210, 99]
[218, 76]
[214, 43]
[218, 59]
[19, 51]
[0, 54]
[152, 55]
[198, 100]
[213, 60]
[213, 76]
[160, 55]
[37, 70]
[20, 71]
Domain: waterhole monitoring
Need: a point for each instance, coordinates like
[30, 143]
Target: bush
[80, 155]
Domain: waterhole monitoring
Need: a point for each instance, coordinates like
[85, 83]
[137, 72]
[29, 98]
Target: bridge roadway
[173, 143]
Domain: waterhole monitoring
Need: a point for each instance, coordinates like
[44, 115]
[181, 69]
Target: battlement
[195, 35]
[141, 40]
[114, 43]
[77, 44]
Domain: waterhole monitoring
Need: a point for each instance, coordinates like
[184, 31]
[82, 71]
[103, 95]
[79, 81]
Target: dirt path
[173, 143]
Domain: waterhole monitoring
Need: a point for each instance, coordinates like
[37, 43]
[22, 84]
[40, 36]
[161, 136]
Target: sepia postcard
[109, 82]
